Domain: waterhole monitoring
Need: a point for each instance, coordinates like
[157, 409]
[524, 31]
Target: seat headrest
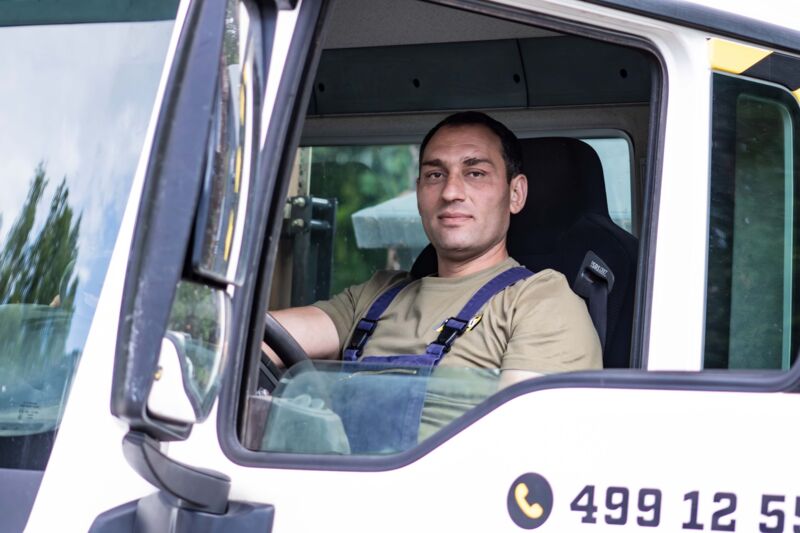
[565, 182]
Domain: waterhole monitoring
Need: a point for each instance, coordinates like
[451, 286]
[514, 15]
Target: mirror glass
[221, 220]
[197, 330]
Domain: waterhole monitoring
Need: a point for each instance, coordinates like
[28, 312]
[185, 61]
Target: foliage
[230, 43]
[359, 177]
[40, 269]
[195, 313]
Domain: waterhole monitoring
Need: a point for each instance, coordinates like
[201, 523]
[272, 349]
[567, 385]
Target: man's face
[463, 193]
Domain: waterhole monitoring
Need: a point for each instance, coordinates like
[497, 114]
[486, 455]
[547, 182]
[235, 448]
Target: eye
[476, 174]
[434, 176]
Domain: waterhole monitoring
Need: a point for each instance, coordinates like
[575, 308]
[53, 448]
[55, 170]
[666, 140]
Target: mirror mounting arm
[193, 488]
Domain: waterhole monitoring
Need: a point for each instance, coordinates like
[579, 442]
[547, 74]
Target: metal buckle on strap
[362, 333]
[451, 329]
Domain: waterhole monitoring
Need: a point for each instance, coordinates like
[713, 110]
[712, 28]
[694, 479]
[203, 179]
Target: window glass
[752, 240]
[615, 157]
[377, 224]
[75, 107]
[368, 408]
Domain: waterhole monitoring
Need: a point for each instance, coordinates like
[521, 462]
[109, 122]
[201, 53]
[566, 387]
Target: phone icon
[534, 510]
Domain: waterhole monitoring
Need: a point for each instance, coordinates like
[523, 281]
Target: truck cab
[175, 171]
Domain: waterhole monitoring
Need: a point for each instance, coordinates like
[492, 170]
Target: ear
[518, 193]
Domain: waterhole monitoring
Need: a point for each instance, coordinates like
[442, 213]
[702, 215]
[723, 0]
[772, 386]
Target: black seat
[566, 216]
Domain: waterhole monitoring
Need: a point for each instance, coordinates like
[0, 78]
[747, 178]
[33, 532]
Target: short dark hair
[512, 150]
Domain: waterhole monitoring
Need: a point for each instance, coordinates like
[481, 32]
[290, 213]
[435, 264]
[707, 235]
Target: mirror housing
[165, 218]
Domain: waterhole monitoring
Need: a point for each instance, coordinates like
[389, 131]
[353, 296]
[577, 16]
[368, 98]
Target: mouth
[453, 218]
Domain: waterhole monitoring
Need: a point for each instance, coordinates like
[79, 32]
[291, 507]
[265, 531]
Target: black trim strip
[48, 12]
[777, 68]
[648, 232]
[711, 20]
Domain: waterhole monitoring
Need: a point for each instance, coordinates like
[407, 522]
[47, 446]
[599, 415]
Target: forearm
[313, 330]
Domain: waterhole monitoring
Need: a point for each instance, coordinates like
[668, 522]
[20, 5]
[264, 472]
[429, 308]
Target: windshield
[75, 100]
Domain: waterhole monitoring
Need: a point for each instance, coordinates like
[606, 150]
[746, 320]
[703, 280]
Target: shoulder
[383, 279]
[379, 282]
[546, 292]
[547, 281]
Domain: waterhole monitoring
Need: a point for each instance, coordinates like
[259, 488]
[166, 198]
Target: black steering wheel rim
[282, 343]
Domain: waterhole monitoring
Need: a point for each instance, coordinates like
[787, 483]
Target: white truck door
[611, 450]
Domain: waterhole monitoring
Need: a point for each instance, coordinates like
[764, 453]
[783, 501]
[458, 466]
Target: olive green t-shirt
[537, 324]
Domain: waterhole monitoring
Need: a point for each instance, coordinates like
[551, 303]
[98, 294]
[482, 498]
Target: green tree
[39, 268]
[359, 176]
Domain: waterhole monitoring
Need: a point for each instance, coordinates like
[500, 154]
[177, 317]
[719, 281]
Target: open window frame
[277, 158]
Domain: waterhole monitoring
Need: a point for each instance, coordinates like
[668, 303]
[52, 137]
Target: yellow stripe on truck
[733, 57]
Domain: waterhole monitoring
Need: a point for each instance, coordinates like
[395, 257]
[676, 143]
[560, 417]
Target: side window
[615, 156]
[752, 242]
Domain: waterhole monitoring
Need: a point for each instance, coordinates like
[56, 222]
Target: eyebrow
[433, 163]
[469, 162]
[472, 161]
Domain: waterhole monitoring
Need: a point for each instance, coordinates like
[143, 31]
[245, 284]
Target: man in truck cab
[481, 309]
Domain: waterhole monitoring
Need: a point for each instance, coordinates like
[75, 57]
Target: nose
[453, 188]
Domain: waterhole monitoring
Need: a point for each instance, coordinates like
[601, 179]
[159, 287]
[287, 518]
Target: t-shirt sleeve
[551, 330]
[350, 304]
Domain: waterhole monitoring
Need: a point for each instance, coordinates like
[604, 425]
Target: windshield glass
[75, 101]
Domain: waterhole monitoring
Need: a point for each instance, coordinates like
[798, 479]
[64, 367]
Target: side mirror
[182, 380]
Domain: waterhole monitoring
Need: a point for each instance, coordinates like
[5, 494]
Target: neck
[456, 267]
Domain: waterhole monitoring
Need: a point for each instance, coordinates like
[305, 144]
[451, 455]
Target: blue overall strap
[366, 325]
[454, 327]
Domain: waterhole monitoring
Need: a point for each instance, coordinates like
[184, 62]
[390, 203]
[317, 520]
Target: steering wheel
[285, 347]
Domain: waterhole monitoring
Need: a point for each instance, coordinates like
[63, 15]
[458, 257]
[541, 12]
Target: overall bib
[380, 401]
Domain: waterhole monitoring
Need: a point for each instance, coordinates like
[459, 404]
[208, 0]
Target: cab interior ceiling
[390, 69]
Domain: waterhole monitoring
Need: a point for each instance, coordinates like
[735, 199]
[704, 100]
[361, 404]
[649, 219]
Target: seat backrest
[566, 215]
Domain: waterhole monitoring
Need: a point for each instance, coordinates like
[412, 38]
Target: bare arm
[312, 328]
[509, 377]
